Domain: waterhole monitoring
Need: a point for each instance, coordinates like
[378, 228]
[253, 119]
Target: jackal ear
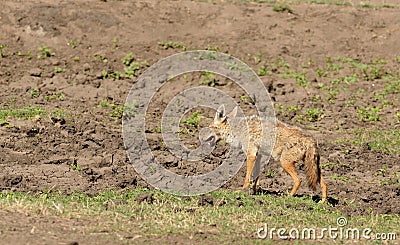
[233, 113]
[220, 114]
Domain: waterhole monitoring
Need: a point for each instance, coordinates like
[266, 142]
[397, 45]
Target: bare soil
[88, 37]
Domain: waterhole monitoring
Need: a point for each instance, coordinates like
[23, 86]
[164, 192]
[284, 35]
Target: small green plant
[131, 66]
[369, 114]
[158, 130]
[128, 59]
[263, 71]
[301, 77]
[115, 43]
[72, 43]
[133, 69]
[76, 59]
[282, 8]
[316, 97]
[193, 120]
[301, 80]
[45, 52]
[1, 50]
[334, 67]
[280, 108]
[58, 69]
[208, 78]
[57, 96]
[59, 114]
[75, 166]
[322, 73]
[308, 64]
[333, 93]
[350, 102]
[365, 5]
[34, 92]
[104, 74]
[361, 91]
[346, 80]
[113, 75]
[314, 115]
[271, 173]
[382, 172]
[328, 166]
[213, 48]
[293, 108]
[393, 87]
[173, 45]
[341, 178]
[118, 111]
[101, 57]
[278, 64]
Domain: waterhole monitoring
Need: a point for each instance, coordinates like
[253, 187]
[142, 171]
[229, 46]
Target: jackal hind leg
[324, 190]
[288, 159]
[255, 174]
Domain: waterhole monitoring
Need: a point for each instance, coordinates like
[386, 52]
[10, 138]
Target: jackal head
[219, 128]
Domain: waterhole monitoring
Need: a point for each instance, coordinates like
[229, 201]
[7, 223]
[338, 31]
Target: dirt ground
[84, 151]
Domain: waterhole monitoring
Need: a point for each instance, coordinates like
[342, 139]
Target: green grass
[386, 140]
[172, 45]
[29, 113]
[369, 114]
[341, 178]
[232, 217]
[22, 113]
[117, 111]
[281, 7]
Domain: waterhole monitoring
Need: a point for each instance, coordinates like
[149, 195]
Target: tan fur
[291, 146]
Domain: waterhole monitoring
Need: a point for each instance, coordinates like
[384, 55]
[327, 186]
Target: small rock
[35, 72]
[86, 67]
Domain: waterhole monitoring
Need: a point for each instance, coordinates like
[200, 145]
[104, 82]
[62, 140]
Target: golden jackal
[291, 146]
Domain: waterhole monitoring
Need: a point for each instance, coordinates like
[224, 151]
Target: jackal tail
[311, 162]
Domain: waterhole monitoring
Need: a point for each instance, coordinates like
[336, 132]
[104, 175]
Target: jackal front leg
[251, 159]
